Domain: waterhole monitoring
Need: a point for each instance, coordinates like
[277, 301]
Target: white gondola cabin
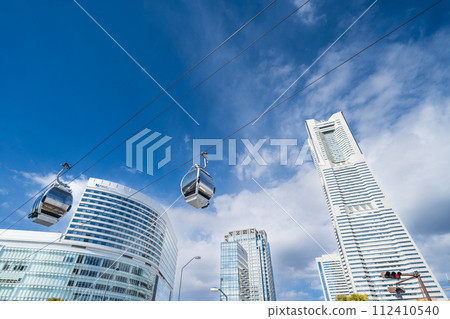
[197, 186]
[53, 204]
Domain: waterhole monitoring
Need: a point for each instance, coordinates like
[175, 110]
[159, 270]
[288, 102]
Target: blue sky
[65, 86]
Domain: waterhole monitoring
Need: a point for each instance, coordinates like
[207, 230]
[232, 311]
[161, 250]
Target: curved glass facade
[112, 215]
[29, 274]
[117, 247]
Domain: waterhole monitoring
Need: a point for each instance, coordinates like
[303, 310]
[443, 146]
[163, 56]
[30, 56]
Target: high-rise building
[254, 242]
[332, 277]
[234, 280]
[371, 238]
[117, 247]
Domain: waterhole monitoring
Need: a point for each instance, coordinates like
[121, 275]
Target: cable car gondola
[197, 186]
[54, 203]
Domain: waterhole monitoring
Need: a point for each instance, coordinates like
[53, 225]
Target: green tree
[352, 297]
[359, 297]
[342, 298]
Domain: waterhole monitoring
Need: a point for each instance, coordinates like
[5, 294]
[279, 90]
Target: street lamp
[215, 289]
[181, 274]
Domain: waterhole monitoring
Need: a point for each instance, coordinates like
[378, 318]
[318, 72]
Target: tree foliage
[55, 299]
[352, 297]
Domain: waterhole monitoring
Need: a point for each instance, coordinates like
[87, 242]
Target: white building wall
[371, 237]
[332, 277]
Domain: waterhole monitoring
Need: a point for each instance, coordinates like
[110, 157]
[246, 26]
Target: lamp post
[215, 289]
[181, 274]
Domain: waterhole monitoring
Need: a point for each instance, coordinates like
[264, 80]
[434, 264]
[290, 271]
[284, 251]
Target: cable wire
[251, 121]
[317, 59]
[293, 219]
[194, 88]
[176, 81]
[147, 105]
[173, 104]
[295, 93]
[10, 214]
[134, 60]
[300, 90]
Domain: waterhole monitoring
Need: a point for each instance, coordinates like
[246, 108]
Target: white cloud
[439, 263]
[255, 169]
[200, 232]
[293, 295]
[308, 15]
[400, 114]
[400, 111]
[410, 161]
[22, 212]
[407, 152]
[3, 191]
[129, 170]
[392, 153]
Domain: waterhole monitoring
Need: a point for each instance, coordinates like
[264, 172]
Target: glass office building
[255, 244]
[332, 277]
[371, 237]
[118, 246]
[234, 280]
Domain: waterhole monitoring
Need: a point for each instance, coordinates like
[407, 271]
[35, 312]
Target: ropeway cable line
[166, 109]
[139, 111]
[317, 79]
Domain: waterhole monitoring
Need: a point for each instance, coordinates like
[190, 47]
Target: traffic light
[396, 290]
[391, 275]
[386, 275]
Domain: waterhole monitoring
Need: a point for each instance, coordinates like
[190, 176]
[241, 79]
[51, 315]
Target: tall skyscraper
[234, 280]
[370, 236]
[117, 247]
[254, 242]
[332, 277]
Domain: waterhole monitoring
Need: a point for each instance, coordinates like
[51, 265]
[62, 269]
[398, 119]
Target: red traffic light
[391, 275]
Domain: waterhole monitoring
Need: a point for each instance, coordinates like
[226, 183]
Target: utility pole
[424, 289]
[411, 276]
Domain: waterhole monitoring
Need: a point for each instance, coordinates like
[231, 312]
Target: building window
[80, 259]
